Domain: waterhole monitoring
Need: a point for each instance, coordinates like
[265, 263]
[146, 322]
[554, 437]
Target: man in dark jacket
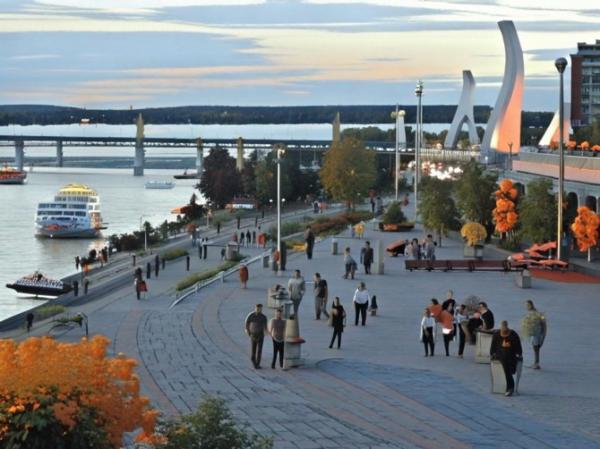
[506, 348]
[256, 325]
[309, 238]
[366, 256]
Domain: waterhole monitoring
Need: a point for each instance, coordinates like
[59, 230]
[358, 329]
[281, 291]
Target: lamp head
[561, 64]
[402, 113]
[419, 88]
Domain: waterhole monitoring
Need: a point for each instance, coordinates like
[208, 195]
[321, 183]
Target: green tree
[437, 207]
[212, 426]
[538, 211]
[220, 179]
[348, 171]
[394, 214]
[475, 195]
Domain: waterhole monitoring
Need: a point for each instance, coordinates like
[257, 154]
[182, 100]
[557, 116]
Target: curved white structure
[464, 114]
[503, 130]
[552, 133]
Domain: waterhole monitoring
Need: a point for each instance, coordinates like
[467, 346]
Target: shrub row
[204, 275]
[174, 254]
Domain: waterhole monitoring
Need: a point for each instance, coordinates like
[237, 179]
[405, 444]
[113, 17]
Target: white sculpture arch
[464, 114]
[552, 133]
[503, 130]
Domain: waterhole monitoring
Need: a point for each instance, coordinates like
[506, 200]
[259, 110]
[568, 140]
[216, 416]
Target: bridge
[240, 145]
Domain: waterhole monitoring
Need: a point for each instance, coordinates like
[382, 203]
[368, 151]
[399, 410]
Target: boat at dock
[39, 285]
[9, 175]
[74, 213]
[159, 185]
[186, 175]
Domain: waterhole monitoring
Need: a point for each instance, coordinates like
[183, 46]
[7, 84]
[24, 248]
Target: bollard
[148, 270]
[238, 222]
[163, 262]
[187, 263]
[256, 221]
[134, 260]
[200, 251]
[205, 251]
[86, 284]
[265, 261]
[75, 288]
[156, 265]
[218, 227]
[334, 247]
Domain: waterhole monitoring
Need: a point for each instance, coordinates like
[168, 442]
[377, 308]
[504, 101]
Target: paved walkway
[378, 391]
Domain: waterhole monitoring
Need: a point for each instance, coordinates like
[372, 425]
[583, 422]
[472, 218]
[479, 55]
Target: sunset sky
[144, 53]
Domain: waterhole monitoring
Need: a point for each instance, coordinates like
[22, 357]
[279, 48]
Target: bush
[174, 254]
[212, 426]
[394, 214]
[204, 275]
[289, 228]
[48, 311]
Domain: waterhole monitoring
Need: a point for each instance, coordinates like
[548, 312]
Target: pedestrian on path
[242, 238]
[366, 257]
[361, 302]
[256, 325]
[223, 253]
[248, 238]
[506, 348]
[338, 321]
[277, 332]
[254, 238]
[296, 289]
[534, 327]
[29, 318]
[244, 275]
[447, 321]
[309, 238]
[77, 262]
[461, 319]
[321, 292]
[427, 335]
[349, 264]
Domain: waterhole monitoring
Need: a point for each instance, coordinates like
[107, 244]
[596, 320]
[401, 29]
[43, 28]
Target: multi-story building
[585, 84]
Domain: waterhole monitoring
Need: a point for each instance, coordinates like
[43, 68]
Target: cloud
[33, 57]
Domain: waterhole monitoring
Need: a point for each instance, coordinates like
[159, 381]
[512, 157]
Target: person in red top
[243, 275]
[435, 309]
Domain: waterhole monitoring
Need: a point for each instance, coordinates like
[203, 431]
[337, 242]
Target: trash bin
[232, 250]
[265, 260]
[483, 346]
[523, 279]
[334, 247]
[499, 379]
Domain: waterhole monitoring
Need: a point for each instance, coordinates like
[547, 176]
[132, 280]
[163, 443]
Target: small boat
[39, 285]
[186, 175]
[159, 185]
[9, 175]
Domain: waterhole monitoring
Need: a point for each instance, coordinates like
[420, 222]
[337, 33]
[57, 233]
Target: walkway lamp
[280, 152]
[561, 65]
[143, 228]
[418, 143]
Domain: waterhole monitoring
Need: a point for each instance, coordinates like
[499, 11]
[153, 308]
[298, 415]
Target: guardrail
[180, 296]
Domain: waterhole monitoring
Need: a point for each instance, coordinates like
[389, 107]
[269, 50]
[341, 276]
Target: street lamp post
[395, 115]
[561, 65]
[145, 233]
[418, 138]
[280, 153]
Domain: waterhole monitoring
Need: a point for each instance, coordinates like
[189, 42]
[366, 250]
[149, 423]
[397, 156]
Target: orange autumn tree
[69, 395]
[505, 213]
[585, 229]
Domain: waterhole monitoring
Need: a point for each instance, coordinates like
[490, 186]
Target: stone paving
[378, 391]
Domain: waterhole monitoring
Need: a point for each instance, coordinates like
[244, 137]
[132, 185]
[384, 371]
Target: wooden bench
[461, 264]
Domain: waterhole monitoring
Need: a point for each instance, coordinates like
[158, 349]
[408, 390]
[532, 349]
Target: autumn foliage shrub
[585, 228]
[505, 213]
[71, 396]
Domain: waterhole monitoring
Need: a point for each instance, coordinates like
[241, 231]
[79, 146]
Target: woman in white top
[461, 318]
[361, 303]
[428, 332]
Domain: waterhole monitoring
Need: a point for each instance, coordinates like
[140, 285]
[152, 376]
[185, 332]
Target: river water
[123, 197]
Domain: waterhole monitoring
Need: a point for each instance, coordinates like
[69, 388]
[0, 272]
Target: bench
[461, 264]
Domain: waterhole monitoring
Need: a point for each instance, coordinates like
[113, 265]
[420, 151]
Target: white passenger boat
[74, 213]
[159, 185]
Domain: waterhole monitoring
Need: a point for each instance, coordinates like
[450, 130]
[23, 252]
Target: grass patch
[288, 228]
[48, 311]
[174, 254]
[204, 275]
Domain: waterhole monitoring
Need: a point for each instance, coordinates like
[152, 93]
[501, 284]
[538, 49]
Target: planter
[396, 227]
[473, 252]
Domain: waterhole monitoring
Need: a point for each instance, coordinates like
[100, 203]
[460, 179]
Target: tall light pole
[145, 233]
[418, 137]
[561, 65]
[395, 115]
[280, 152]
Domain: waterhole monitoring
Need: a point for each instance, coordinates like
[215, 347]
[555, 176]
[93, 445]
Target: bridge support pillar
[19, 154]
[138, 163]
[239, 163]
[199, 158]
[59, 153]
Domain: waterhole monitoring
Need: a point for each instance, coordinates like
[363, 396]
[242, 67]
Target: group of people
[250, 238]
[416, 250]
[256, 324]
[506, 343]
[367, 256]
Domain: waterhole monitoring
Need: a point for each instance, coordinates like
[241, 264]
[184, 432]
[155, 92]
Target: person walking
[429, 248]
[244, 275]
[309, 238]
[320, 291]
[29, 318]
[256, 325]
[248, 238]
[534, 327]
[338, 321]
[427, 335]
[361, 302]
[241, 238]
[461, 318]
[506, 348]
[137, 281]
[296, 289]
[277, 331]
[77, 263]
[349, 264]
[366, 256]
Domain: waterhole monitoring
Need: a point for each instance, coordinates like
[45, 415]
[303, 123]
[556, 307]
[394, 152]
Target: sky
[152, 53]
